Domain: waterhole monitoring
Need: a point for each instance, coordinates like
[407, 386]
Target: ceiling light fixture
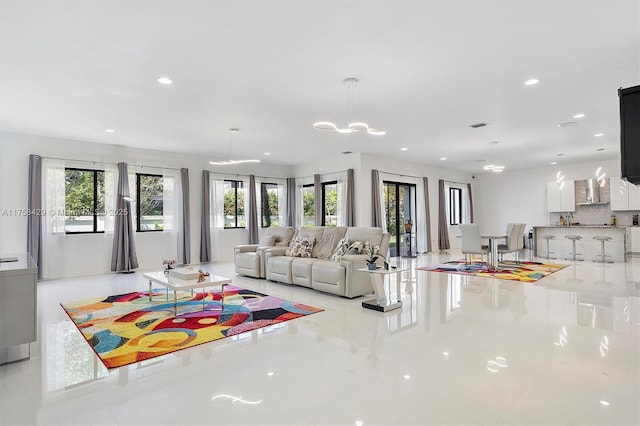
[404, 149]
[443, 158]
[165, 80]
[531, 82]
[493, 168]
[580, 115]
[351, 85]
[109, 130]
[233, 131]
[597, 135]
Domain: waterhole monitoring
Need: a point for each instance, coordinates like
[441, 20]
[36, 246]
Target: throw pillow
[300, 247]
[355, 248]
[341, 250]
[267, 240]
[368, 248]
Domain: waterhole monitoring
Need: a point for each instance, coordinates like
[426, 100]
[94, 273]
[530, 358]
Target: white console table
[18, 324]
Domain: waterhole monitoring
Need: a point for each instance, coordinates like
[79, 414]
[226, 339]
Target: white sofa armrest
[245, 248]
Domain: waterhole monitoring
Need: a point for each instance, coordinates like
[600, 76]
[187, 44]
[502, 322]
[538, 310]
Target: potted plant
[371, 261]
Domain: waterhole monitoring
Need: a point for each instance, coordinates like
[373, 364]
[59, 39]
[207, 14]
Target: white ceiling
[427, 70]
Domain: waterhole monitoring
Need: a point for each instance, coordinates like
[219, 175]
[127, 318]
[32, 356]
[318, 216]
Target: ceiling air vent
[568, 124]
[477, 125]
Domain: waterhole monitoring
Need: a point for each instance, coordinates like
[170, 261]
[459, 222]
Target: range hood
[592, 193]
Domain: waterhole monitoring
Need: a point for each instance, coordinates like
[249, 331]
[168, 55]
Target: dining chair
[515, 241]
[471, 243]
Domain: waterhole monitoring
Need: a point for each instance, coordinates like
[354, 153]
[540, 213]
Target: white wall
[520, 195]
[87, 254]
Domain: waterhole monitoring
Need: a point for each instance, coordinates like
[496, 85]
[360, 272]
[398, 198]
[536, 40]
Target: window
[149, 203]
[234, 204]
[455, 206]
[308, 205]
[83, 201]
[330, 203]
[269, 201]
[399, 204]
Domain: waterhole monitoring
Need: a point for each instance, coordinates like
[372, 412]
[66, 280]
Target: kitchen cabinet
[17, 306]
[624, 195]
[561, 199]
[633, 239]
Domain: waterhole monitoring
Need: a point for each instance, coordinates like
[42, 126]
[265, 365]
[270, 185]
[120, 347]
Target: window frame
[95, 201]
[264, 188]
[138, 198]
[324, 202]
[455, 194]
[237, 184]
[307, 186]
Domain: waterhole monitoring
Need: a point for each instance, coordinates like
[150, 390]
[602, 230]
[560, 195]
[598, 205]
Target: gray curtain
[427, 219]
[319, 208]
[185, 232]
[34, 221]
[349, 216]
[443, 232]
[290, 216]
[470, 203]
[376, 202]
[205, 223]
[252, 219]
[123, 254]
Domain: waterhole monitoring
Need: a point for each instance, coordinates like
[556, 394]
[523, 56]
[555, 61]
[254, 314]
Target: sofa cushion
[267, 240]
[283, 234]
[300, 247]
[301, 271]
[326, 243]
[340, 250]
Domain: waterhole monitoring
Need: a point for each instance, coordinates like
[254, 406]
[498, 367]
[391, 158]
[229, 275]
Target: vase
[373, 266]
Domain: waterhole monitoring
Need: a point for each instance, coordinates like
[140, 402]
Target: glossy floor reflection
[462, 350]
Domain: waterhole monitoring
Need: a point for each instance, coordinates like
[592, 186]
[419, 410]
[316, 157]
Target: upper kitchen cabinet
[561, 198]
[624, 195]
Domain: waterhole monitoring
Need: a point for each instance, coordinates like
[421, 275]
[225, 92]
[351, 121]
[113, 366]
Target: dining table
[493, 248]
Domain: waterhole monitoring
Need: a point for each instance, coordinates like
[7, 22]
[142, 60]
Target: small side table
[382, 301]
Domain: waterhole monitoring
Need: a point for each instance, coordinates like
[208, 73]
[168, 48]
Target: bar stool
[603, 239]
[548, 237]
[573, 239]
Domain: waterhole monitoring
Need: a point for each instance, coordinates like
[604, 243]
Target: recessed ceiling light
[403, 149]
[164, 80]
[407, 376]
[581, 115]
[267, 153]
[531, 82]
[443, 158]
[605, 403]
[553, 163]
[109, 130]
[597, 135]
[600, 149]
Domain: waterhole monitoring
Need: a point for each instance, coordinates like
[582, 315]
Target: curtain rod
[244, 175]
[397, 174]
[459, 183]
[328, 173]
[106, 162]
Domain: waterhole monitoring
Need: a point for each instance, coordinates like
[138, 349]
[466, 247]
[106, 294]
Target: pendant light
[351, 88]
[232, 131]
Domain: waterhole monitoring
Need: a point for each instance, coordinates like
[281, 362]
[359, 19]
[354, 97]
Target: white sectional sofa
[249, 258]
[339, 276]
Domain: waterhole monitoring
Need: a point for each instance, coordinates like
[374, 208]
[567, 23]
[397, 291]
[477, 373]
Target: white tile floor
[462, 350]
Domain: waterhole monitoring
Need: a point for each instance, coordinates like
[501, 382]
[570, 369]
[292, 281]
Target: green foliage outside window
[84, 200]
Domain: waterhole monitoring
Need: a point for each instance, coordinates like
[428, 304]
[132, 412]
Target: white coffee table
[382, 302]
[176, 284]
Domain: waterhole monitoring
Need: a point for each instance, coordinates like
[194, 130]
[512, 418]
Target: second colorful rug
[128, 328]
[524, 271]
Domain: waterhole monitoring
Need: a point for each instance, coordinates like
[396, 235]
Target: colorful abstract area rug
[128, 328]
[524, 271]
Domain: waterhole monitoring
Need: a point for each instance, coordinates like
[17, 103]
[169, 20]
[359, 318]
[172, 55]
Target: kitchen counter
[589, 248]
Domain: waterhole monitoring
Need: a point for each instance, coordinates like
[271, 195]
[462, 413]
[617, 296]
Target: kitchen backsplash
[594, 214]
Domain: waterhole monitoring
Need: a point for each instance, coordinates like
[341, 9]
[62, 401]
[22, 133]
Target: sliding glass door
[400, 207]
